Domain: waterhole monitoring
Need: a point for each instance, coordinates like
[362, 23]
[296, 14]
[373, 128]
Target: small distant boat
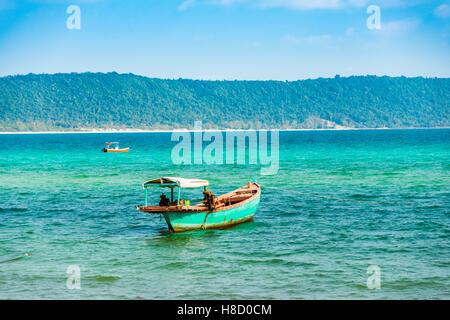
[232, 208]
[114, 147]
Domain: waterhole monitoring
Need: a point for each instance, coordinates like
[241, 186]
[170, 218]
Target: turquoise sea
[57, 190]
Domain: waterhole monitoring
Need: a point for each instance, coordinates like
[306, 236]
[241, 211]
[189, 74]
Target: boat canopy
[176, 181]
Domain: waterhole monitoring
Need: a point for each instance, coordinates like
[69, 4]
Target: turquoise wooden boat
[232, 208]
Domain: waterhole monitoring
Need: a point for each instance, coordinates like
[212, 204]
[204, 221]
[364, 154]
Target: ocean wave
[13, 209]
[103, 278]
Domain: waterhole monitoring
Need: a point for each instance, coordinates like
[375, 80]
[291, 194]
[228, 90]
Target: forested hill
[118, 101]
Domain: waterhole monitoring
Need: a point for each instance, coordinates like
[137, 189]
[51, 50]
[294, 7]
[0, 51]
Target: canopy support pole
[146, 196]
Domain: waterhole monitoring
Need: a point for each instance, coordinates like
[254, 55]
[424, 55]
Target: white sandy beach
[203, 130]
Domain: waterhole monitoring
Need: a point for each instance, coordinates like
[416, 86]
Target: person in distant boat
[208, 198]
[164, 202]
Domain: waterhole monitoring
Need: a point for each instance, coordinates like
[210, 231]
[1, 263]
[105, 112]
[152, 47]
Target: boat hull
[217, 219]
[117, 150]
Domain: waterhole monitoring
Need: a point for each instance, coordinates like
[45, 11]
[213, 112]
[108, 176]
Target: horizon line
[198, 79]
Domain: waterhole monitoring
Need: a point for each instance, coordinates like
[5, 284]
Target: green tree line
[110, 100]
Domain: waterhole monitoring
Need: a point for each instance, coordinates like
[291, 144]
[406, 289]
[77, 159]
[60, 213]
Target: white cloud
[229, 2]
[382, 3]
[397, 27]
[350, 32]
[310, 40]
[186, 4]
[301, 4]
[304, 4]
[443, 11]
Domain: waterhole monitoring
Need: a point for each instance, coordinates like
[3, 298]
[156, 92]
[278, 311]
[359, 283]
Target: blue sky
[227, 39]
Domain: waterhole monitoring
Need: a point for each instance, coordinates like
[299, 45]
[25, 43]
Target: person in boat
[208, 198]
[164, 202]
